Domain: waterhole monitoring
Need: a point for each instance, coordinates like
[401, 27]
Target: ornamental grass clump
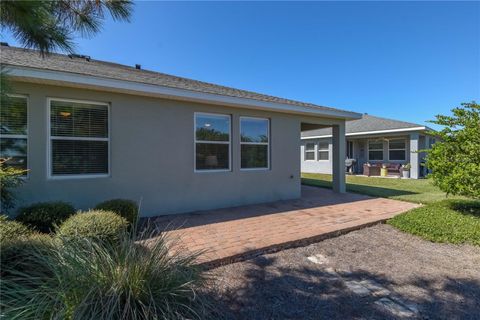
[96, 279]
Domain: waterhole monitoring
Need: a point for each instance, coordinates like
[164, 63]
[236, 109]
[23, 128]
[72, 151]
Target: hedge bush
[44, 216]
[125, 208]
[99, 224]
[12, 230]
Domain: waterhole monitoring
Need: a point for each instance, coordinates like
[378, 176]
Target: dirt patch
[324, 280]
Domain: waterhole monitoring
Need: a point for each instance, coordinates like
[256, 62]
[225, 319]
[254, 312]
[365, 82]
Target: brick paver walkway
[234, 233]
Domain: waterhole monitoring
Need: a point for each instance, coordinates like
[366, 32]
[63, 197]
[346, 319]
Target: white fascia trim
[369, 132]
[65, 78]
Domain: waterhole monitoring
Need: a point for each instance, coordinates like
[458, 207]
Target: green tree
[51, 25]
[10, 178]
[455, 159]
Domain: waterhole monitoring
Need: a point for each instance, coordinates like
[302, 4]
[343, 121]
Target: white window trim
[22, 136]
[323, 150]
[368, 150]
[404, 149]
[195, 141]
[314, 151]
[255, 143]
[51, 176]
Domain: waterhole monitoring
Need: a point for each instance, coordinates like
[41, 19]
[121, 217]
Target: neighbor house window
[310, 151]
[323, 151]
[375, 150]
[79, 138]
[212, 142]
[14, 131]
[254, 143]
[397, 149]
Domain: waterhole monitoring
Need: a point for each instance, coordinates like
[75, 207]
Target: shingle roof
[58, 62]
[367, 123]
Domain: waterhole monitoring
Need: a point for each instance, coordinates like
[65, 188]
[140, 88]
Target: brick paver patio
[230, 234]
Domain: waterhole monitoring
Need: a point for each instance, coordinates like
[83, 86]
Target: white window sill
[78, 176]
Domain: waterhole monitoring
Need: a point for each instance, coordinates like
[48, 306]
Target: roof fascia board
[369, 132]
[65, 78]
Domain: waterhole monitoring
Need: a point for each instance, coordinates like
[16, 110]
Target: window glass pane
[323, 146]
[79, 157]
[375, 155]
[397, 154]
[378, 145]
[254, 156]
[310, 147]
[212, 127]
[323, 155]
[72, 119]
[397, 144]
[309, 155]
[13, 116]
[254, 130]
[212, 156]
[16, 149]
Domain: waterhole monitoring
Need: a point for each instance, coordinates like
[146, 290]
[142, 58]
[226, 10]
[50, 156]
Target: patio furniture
[371, 169]
[394, 168]
[374, 169]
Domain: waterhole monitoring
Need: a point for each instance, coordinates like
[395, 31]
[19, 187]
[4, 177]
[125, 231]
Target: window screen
[79, 134]
[254, 142]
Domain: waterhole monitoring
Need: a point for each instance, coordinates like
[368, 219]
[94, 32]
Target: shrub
[89, 279]
[99, 224]
[44, 216]
[125, 208]
[12, 230]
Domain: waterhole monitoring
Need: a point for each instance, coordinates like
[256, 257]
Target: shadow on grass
[466, 207]
[266, 290]
[368, 190]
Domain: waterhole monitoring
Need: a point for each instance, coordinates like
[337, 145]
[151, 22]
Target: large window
[397, 149]
[79, 138]
[212, 142]
[14, 131]
[309, 151]
[323, 151]
[254, 143]
[375, 150]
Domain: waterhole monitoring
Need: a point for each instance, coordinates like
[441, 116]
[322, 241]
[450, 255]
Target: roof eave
[364, 133]
[28, 74]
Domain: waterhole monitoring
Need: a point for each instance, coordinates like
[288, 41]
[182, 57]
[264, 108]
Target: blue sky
[402, 60]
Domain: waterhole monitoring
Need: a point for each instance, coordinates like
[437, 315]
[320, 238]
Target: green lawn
[452, 220]
[418, 191]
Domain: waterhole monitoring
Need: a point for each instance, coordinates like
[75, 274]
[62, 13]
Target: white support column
[338, 152]
[414, 156]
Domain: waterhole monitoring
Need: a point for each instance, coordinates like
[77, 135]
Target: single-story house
[90, 130]
[371, 141]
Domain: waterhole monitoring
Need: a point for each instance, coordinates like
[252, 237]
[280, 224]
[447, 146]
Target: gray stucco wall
[316, 166]
[152, 157]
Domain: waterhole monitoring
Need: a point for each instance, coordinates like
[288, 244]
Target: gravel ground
[435, 281]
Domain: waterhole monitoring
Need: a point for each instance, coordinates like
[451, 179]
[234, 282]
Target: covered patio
[230, 234]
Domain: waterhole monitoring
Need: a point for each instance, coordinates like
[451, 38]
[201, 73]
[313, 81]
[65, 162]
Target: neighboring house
[372, 140]
[89, 130]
